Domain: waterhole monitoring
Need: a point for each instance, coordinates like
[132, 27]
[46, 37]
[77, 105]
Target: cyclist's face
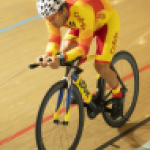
[59, 19]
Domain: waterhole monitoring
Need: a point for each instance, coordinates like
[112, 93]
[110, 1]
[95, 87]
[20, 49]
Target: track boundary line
[19, 24]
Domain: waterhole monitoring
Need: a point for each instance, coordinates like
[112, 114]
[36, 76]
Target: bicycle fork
[68, 79]
[67, 108]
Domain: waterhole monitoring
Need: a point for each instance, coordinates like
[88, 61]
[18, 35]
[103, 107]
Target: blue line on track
[18, 24]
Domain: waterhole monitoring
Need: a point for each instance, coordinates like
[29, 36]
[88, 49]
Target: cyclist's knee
[67, 46]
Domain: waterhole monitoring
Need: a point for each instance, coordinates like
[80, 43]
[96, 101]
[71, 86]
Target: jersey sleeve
[85, 34]
[53, 46]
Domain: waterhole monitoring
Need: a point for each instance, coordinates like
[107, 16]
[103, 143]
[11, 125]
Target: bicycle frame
[81, 85]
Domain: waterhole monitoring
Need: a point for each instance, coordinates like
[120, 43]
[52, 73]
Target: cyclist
[86, 19]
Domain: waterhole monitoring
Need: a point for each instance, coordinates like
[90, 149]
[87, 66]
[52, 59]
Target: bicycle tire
[51, 91]
[124, 55]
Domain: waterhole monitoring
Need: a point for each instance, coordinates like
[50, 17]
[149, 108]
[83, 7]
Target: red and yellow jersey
[87, 16]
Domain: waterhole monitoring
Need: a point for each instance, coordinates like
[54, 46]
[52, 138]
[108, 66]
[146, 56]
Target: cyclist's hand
[42, 63]
[55, 63]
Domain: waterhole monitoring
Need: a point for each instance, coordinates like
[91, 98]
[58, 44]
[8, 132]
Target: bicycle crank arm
[99, 109]
[95, 108]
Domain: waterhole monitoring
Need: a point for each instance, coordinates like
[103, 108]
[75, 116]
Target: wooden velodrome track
[22, 89]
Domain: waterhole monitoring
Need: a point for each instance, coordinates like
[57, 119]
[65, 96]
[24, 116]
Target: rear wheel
[126, 68]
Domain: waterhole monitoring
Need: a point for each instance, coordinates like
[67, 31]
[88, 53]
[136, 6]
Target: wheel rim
[125, 67]
[52, 136]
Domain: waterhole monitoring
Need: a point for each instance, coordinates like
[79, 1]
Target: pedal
[117, 109]
[90, 113]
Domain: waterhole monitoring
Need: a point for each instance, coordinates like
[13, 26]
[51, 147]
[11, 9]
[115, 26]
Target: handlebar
[33, 66]
[70, 64]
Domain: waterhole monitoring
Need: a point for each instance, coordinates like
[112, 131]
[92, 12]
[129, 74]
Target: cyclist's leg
[70, 40]
[107, 38]
[107, 41]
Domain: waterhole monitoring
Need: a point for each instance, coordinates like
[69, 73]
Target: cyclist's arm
[82, 48]
[85, 39]
[53, 46]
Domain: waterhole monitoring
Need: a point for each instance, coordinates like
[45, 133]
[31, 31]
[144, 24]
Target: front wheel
[52, 136]
[126, 69]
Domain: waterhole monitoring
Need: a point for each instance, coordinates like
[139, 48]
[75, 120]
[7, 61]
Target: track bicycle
[59, 125]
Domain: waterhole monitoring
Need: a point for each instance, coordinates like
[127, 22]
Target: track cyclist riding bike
[86, 19]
